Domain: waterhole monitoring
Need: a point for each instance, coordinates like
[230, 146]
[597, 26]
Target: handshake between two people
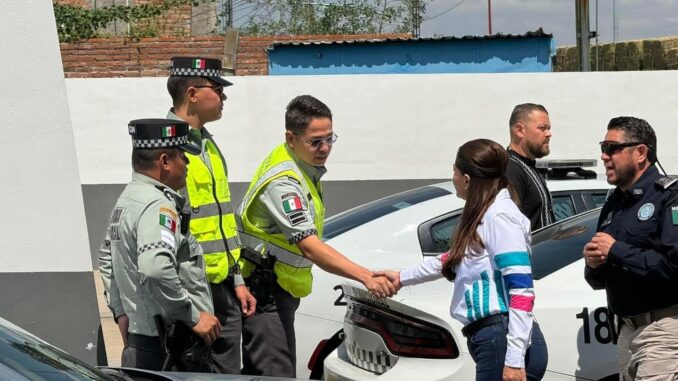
[384, 283]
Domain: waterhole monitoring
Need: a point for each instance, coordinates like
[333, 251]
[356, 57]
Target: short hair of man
[522, 111]
[302, 110]
[178, 84]
[636, 130]
[143, 158]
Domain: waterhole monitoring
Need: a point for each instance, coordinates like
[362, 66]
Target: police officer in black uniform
[634, 254]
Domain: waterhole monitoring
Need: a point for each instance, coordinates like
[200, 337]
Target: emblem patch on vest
[645, 212]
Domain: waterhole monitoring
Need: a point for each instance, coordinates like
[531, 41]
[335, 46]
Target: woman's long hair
[485, 162]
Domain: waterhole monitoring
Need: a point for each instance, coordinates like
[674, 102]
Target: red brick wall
[122, 57]
[149, 57]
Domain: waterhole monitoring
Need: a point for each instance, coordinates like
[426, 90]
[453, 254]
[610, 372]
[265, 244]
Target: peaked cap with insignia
[199, 67]
[161, 133]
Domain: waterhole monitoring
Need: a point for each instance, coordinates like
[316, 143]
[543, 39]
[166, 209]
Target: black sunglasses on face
[609, 148]
[217, 89]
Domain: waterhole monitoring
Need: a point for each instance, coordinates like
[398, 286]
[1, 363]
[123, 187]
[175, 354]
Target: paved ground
[112, 337]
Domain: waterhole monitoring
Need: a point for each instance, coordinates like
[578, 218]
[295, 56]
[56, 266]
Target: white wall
[43, 222]
[390, 126]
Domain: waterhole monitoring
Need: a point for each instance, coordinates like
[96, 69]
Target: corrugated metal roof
[539, 33]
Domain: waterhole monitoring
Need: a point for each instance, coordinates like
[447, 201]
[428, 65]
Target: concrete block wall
[649, 54]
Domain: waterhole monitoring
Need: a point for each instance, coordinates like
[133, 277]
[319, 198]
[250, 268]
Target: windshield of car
[353, 218]
[38, 361]
[560, 245]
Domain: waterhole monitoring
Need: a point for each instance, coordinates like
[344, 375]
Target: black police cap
[198, 67]
[162, 133]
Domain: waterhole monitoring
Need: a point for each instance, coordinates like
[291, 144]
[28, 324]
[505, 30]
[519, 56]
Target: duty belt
[282, 255]
[637, 321]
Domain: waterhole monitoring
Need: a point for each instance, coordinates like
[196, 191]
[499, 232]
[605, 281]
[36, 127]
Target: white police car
[396, 232]
[412, 334]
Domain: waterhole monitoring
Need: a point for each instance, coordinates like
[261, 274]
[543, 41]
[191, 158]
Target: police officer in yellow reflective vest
[197, 91]
[281, 217]
[150, 264]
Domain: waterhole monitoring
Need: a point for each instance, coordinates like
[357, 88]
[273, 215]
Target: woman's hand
[514, 374]
[392, 276]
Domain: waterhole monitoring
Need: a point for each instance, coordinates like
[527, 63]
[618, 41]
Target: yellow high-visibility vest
[212, 219]
[293, 270]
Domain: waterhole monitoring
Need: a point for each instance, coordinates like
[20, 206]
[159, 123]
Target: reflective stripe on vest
[210, 210]
[209, 199]
[282, 255]
[216, 246]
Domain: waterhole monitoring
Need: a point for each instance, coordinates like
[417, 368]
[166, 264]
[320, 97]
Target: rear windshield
[355, 217]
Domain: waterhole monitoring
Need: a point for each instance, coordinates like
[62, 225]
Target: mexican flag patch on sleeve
[168, 222]
[674, 215]
[292, 204]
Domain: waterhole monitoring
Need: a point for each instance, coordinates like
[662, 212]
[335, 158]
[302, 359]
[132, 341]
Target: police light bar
[573, 163]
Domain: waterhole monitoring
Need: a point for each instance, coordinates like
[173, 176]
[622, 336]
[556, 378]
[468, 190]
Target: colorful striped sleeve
[508, 245]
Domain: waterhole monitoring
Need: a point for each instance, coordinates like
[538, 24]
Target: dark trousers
[269, 343]
[488, 349]
[225, 356]
[144, 352]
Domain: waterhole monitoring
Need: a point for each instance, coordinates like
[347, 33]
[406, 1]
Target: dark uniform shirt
[530, 187]
[641, 271]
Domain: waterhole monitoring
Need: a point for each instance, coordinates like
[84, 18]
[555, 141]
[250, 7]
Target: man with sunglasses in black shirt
[634, 254]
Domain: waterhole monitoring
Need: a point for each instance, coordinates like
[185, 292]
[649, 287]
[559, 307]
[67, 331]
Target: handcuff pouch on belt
[262, 280]
[183, 350]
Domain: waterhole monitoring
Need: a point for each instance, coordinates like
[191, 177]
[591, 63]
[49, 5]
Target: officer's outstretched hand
[208, 327]
[248, 302]
[380, 286]
[393, 276]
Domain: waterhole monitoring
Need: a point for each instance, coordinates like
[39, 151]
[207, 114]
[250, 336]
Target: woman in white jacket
[489, 262]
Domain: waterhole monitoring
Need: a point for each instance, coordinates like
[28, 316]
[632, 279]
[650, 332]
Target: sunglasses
[217, 89]
[316, 143]
[609, 148]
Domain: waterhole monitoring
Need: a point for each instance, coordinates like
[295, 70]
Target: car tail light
[404, 335]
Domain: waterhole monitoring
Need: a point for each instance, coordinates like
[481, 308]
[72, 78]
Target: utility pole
[225, 14]
[615, 22]
[416, 19]
[489, 16]
[583, 34]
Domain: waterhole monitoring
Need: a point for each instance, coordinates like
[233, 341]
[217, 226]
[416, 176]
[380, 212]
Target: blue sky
[636, 18]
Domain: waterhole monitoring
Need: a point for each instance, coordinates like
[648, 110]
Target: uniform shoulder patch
[169, 211]
[292, 203]
[168, 222]
[674, 215]
[666, 182]
[296, 218]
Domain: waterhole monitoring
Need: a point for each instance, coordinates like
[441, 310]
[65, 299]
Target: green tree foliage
[76, 23]
[298, 17]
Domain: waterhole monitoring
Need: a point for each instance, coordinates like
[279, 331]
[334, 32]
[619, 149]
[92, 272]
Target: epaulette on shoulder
[666, 182]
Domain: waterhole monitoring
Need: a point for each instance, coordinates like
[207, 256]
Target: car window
[561, 244]
[441, 233]
[353, 218]
[39, 361]
[598, 199]
[563, 207]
